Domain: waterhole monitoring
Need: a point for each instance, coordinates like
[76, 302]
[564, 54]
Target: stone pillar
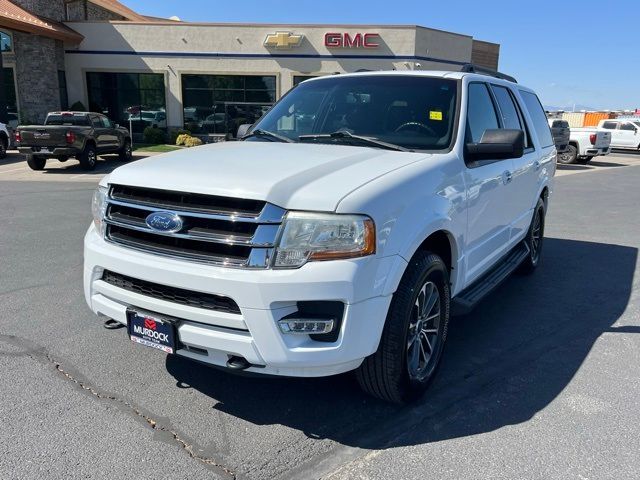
[38, 60]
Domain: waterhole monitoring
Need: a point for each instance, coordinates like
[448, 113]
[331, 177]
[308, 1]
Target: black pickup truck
[83, 135]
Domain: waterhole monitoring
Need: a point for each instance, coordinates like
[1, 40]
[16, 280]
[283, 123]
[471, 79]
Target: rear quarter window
[540, 124]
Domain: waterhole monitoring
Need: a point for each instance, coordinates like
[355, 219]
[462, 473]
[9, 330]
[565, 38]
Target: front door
[490, 208]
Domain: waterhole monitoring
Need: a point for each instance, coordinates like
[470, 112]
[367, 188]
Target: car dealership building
[201, 76]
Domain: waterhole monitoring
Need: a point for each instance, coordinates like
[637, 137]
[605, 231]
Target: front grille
[171, 294]
[218, 230]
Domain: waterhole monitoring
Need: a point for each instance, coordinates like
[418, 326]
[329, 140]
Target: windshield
[410, 111]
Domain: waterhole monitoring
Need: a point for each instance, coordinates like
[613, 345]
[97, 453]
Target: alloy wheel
[536, 236]
[423, 336]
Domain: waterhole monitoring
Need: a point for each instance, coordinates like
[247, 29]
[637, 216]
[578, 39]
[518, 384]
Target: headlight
[98, 207]
[323, 236]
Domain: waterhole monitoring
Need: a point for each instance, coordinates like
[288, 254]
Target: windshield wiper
[258, 132]
[348, 135]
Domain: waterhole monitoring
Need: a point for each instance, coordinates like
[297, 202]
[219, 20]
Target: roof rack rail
[471, 68]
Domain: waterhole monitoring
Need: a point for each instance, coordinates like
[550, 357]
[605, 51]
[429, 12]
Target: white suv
[340, 234]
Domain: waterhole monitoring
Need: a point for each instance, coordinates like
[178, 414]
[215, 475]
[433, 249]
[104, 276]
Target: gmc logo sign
[347, 40]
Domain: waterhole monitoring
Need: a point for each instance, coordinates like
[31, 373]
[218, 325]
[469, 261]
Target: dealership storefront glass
[10, 89]
[139, 97]
[219, 104]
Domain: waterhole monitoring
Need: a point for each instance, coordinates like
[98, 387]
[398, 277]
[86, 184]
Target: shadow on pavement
[503, 363]
[13, 157]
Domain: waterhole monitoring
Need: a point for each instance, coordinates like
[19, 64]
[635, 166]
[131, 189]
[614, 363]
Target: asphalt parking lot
[542, 380]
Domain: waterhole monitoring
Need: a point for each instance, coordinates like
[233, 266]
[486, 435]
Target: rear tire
[414, 334]
[36, 163]
[125, 153]
[569, 156]
[534, 240]
[88, 157]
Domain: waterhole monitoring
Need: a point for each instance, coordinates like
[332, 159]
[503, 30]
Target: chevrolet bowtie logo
[283, 40]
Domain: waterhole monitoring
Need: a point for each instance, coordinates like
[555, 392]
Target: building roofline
[118, 8]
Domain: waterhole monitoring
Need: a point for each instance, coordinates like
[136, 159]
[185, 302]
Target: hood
[292, 176]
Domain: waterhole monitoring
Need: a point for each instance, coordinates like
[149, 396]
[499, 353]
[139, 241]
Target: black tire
[36, 163]
[4, 145]
[534, 240]
[569, 156]
[386, 374]
[88, 158]
[585, 160]
[125, 154]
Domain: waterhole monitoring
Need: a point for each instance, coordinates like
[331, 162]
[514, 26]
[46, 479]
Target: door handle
[536, 165]
[507, 176]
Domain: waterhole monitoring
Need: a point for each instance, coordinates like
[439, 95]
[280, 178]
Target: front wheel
[414, 334]
[534, 239]
[88, 157]
[569, 156]
[36, 163]
[125, 154]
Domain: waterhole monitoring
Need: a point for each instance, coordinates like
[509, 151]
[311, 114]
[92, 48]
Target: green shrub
[192, 142]
[77, 107]
[154, 136]
[177, 133]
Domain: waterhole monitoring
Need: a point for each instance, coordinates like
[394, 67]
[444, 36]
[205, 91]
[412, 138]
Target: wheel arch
[441, 242]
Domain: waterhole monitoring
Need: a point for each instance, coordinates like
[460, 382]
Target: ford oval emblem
[165, 222]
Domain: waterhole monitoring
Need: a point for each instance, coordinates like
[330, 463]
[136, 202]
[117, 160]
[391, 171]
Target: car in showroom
[343, 242]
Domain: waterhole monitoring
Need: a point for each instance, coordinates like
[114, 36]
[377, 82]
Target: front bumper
[264, 296]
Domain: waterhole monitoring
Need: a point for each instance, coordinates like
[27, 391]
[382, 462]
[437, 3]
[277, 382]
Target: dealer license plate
[151, 330]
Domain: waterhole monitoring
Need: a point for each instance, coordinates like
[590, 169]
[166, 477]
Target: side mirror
[117, 125]
[497, 144]
[243, 129]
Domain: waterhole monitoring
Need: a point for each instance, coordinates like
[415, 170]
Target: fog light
[306, 325]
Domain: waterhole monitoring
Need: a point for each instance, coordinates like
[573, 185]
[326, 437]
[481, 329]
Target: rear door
[628, 135]
[99, 132]
[612, 127]
[524, 184]
[489, 205]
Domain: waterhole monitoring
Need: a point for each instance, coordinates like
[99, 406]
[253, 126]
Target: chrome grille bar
[226, 239]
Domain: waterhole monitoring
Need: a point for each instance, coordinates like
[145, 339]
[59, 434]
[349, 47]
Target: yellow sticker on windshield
[434, 115]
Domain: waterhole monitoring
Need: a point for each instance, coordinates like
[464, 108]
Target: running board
[466, 301]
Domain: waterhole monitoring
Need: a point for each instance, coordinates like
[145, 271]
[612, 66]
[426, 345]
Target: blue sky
[571, 52]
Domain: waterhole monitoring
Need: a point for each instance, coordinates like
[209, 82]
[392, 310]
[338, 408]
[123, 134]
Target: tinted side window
[481, 114]
[628, 126]
[95, 120]
[510, 118]
[540, 124]
[105, 122]
[609, 125]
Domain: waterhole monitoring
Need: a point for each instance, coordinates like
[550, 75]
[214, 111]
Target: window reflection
[124, 97]
[6, 44]
[219, 104]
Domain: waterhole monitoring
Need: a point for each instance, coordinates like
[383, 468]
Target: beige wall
[181, 41]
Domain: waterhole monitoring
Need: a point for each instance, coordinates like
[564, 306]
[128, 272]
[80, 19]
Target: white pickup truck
[584, 144]
[340, 234]
[625, 132]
